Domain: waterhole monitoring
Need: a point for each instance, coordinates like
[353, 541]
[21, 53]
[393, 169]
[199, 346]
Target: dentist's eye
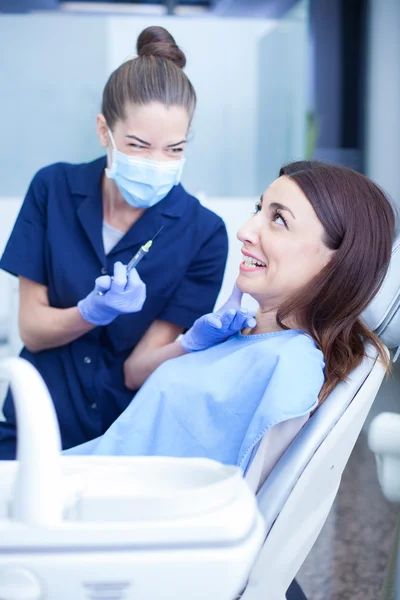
[176, 150]
[257, 208]
[279, 219]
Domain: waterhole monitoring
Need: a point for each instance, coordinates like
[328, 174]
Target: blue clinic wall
[282, 95]
[383, 96]
[52, 72]
[53, 68]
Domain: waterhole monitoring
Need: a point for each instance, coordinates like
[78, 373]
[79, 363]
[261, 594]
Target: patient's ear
[328, 254]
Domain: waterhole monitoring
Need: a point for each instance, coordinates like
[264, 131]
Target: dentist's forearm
[42, 327]
[139, 366]
[48, 327]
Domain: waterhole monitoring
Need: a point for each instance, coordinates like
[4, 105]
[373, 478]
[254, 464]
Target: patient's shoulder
[300, 359]
[301, 344]
[290, 346]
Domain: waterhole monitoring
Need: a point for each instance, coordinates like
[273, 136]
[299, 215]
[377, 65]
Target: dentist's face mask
[141, 181]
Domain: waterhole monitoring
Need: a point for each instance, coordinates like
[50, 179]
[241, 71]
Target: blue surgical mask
[141, 181]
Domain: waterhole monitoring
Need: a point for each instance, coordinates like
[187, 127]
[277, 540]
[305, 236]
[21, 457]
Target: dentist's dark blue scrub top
[57, 241]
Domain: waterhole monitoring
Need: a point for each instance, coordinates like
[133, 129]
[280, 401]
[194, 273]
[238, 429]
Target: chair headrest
[383, 314]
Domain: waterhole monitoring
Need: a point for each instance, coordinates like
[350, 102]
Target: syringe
[141, 253]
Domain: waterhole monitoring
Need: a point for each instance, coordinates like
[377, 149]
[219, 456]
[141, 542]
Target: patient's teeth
[249, 261]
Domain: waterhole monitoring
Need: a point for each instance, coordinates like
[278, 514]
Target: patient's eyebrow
[279, 206]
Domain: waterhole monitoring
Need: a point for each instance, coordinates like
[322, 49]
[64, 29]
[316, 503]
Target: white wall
[9, 300]
[234, 211]
[383, 99]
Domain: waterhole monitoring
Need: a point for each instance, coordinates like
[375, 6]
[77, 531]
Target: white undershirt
[111, 237]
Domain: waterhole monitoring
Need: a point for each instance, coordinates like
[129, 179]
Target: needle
[141, 253]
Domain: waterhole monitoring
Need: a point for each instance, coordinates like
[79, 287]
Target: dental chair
[74, 528]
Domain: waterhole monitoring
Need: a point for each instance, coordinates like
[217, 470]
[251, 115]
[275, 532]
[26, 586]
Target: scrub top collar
[86, 183]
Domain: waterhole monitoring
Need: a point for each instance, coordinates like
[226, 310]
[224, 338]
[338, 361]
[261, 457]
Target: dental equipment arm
[37, 496]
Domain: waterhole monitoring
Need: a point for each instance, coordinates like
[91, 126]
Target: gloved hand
[121, 294]
[216, 327]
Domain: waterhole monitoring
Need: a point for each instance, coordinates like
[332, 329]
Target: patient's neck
[266, 322]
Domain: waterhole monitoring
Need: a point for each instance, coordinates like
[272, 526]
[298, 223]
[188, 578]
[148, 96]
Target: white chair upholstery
[383, 314]
[384, 432]
[297, 496]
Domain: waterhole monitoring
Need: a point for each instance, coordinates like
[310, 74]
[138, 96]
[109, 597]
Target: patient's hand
[216, 327]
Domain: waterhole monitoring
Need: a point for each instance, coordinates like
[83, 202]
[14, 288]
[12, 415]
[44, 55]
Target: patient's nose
[248, 233]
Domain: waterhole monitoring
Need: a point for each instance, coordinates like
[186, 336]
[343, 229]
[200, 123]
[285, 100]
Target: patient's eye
[257, 208]
[278, 218]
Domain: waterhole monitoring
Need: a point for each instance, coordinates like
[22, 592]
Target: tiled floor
[349, 559]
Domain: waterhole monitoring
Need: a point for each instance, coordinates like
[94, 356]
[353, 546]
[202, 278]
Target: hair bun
[157, 41]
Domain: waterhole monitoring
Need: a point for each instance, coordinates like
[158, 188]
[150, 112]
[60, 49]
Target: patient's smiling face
[283, 246]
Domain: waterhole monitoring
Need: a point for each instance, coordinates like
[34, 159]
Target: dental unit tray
[116, 528]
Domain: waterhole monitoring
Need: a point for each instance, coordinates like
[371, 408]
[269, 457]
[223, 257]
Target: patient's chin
[242, 285]
[247, 285]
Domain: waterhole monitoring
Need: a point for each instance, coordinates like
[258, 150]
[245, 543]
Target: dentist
[81, 224]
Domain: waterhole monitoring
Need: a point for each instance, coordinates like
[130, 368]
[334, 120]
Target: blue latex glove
[125, 294]
[216, 327]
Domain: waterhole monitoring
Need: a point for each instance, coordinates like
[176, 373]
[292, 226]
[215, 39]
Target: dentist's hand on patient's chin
[124, 293]
[216, 327]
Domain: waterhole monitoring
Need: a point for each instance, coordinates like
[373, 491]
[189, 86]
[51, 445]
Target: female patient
[315, 252]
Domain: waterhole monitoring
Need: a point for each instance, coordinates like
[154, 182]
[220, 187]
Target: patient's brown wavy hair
[359, 224]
